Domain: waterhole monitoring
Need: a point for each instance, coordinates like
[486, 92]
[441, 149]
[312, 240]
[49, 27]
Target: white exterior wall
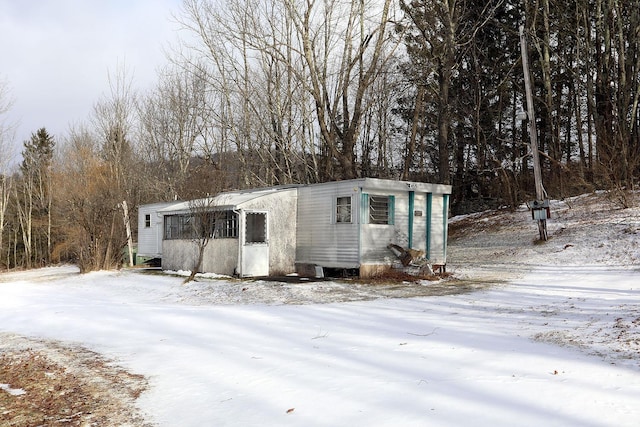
[324, 242]
[303, 229]
[218, 255]
[376, 237]
[222, 255]
[439, 211]
[179, 254]
[282, 208]
[150, 238]
[419, 240]
[320, 240]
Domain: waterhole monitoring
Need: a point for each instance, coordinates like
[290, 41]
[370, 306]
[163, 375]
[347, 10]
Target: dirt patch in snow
[274, 292]
[47, 383]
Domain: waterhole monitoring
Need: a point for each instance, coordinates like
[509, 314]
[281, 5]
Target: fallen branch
[424, 335]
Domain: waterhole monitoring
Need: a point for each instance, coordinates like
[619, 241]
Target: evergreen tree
[34, 197]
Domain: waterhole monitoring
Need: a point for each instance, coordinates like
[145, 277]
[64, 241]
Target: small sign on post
[540, 209]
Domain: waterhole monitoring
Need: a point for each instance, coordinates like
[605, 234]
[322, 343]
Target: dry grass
[391, 276]
[62, 385]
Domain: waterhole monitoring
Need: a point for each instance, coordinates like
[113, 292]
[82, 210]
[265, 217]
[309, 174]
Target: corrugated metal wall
[320, 240]
[419, 240]
[437, 252]
[150, 238]
[376, 237]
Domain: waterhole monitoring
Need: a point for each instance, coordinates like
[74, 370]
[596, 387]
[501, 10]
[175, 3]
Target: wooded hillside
[267, 92]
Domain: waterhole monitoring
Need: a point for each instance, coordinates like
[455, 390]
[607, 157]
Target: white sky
[56, 55]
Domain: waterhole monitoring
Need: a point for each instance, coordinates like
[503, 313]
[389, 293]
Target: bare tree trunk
[444, 122]
[204, 217]
[5, 194]
[25, 217]
[418, 112]
[127, 224]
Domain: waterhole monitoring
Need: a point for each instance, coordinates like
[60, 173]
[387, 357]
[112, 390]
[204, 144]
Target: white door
[255, 247]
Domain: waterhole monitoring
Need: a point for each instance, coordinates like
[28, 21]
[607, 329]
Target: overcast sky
[56, 55]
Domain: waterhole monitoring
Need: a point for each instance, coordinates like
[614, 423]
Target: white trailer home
[349, 224]
[334, 225]
[254, 233]
[150, 231]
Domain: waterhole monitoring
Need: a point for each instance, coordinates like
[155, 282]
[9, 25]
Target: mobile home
[350, 224]
[254, 233]
[150, 231]
[335, 225]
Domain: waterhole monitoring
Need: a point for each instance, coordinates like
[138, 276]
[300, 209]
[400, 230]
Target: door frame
[254, 256]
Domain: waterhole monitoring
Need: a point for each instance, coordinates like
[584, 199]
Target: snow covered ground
[551, 338]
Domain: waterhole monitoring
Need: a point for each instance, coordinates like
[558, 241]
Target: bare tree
[276, 61]
[6, 128]
[343, 46]
[114, 119]
[617, 90]
[87, 200]
[220, 49]
[173, 118]
[202, 217]
[6, 137]
[5, 194]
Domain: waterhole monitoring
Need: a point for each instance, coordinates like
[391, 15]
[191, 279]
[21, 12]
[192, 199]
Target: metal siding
[412, 199]
[420, 223]
[376, 237]
[438, 221]
[386, 185]
[320, 240]
[150, 238]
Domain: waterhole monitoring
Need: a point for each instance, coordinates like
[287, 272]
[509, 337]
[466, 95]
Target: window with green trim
[381, 209]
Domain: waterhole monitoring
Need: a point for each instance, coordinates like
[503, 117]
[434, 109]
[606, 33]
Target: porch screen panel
[256, 227]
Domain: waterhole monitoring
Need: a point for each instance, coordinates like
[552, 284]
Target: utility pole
[540, 207]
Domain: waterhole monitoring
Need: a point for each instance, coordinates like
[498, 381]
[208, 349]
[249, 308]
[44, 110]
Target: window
[147, 220]
[226, 225]
[381, 209]
[343, 209]
[178, 227]
[256, 227]
[217, 224]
